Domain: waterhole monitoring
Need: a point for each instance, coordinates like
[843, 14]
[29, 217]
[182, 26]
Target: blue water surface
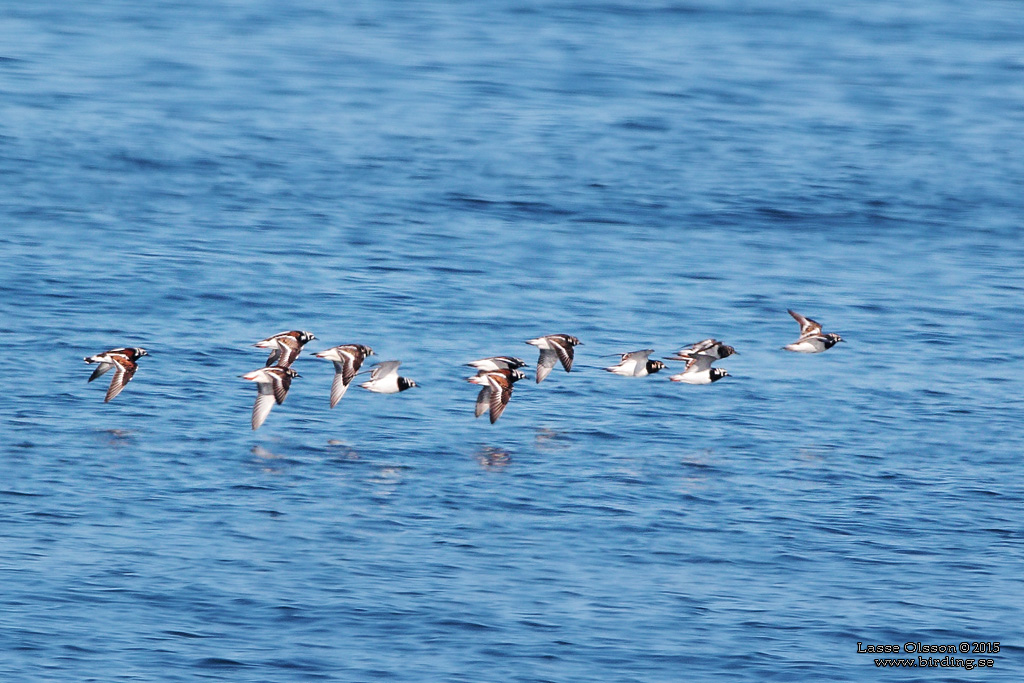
[441, 181]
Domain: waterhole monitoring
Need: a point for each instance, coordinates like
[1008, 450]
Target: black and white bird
[497, 363]
[272, 384]
[698, 370]
[636, 364]
[553, 348]
[385, 380]
[285, 346]
[348, 358]
[124, 361]
[496, 391]
[811, 338]
[707, 347]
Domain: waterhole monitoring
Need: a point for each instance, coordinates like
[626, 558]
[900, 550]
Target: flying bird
[496, 391]
[285, 346]
[698, 370]
[272, 384]
[348, 358]
[553, 348]
[707, 347]
[497, 363]
[635, 364]
[811, 338]
[123, 361]
[385, 380]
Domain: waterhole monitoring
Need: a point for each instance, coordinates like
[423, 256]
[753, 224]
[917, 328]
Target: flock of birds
[495, 375]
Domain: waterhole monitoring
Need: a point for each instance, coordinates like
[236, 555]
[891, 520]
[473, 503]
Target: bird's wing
[101, 369]
[281, 383]
[288, 349]
[264, 402]
[545, 363]
[501, 392]
[808, 327]
[124, 373]
[349, 365]
[697, 347]
[483, 401]
[564, 350]
[388, 367]
[340, 385]
[699, 363]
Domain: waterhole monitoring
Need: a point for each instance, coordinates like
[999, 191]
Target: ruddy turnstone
[272, 385]
[385, 380]
[286, 347]
[553, 347]
[496, 391]
[811, 339]
[497, 363]
[635, 364]
[698, 370]
[348, 358]
[707, 347]
[123, 360]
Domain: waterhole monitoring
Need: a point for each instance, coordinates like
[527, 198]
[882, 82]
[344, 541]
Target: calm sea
[441, 181]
